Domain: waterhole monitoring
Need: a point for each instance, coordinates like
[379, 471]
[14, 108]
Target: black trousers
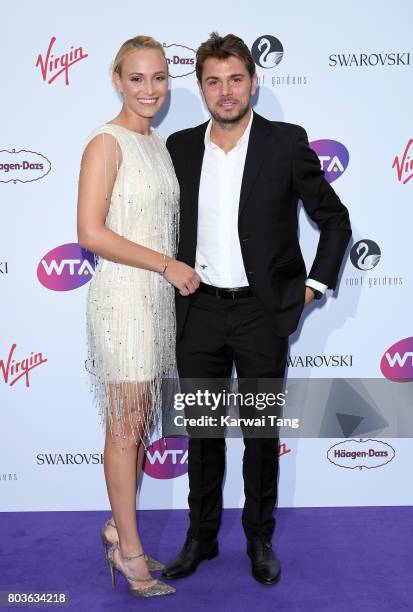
[218, 334]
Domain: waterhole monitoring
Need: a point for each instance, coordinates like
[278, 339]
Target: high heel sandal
[159, 588]
[153, 564]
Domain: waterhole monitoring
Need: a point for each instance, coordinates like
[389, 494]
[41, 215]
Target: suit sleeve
[324, 207]
[172, 150]
[169, 144]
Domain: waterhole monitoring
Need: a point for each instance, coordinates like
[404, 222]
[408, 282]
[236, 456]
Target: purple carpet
[333, 560]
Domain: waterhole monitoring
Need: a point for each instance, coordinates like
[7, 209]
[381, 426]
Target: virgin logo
[404, 164]
[167, 458]
[51, 65]
[13, 370]
[283, 449]
[397, 362]
[66, 267]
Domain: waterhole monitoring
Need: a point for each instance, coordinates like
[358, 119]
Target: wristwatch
[317, 294]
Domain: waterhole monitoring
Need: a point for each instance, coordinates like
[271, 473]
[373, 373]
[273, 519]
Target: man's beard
[231, 120]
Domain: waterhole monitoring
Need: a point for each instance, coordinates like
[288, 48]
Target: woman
[128, 216]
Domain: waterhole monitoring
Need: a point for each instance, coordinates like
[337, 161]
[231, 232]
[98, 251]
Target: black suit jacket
[280, 169]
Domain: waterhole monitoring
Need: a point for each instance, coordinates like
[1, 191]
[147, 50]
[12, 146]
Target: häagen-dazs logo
[52, 65]
[180, 59]
[22, 166]
[333, 156]
[404, 164]
[167, 458]
[13, 369]
[66, 267]
[360, 454]
[397, 362]
[267, 51]
[365, 254]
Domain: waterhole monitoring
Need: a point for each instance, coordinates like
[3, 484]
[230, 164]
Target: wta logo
[333, 156]
[167, 458]
[397, 362]
[66, 267]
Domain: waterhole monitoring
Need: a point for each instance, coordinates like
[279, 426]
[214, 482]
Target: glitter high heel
[159, 588]
[153, 564]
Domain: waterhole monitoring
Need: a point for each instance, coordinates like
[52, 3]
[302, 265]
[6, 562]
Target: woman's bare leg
[123, 451]
[111, 532]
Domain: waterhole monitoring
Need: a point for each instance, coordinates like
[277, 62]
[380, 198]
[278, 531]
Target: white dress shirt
[218, 254]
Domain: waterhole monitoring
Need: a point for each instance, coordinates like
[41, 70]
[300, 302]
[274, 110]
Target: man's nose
[226, 88]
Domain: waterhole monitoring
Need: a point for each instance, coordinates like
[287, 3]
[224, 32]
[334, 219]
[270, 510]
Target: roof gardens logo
[267, 51]
[365, 254]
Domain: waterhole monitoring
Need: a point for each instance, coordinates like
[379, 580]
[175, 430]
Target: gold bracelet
[165, 264]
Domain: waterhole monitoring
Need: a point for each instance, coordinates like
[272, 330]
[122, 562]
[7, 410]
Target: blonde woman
[128, 211]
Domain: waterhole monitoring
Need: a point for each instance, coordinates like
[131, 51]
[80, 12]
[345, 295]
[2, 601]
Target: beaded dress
[130, 311]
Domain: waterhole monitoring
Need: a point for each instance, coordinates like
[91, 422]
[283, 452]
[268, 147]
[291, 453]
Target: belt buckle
[233, 294]
[217, 292]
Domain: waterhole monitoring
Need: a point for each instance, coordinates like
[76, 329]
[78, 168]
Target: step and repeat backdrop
[344, 72]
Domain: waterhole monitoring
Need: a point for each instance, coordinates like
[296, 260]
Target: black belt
[226, 294]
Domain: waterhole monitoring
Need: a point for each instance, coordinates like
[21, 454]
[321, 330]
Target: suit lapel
[194, 167]
[255, 157]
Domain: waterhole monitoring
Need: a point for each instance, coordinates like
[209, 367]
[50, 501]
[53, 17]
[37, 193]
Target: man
[241, 177]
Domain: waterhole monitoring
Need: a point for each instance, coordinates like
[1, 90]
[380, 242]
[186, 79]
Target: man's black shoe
[264, 564]
[191, 555]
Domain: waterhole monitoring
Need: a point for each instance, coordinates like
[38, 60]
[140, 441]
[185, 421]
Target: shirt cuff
[321, 287]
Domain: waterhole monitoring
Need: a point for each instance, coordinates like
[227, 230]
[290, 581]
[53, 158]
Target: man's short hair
[222, 47]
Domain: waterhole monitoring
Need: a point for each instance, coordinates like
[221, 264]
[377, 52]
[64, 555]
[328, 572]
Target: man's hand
[309, 296]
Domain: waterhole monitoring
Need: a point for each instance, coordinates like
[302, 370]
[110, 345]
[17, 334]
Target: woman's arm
[100, 162]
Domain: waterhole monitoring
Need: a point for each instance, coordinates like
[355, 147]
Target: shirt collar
[245, 136]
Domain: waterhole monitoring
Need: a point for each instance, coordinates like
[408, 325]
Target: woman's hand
[182, 276]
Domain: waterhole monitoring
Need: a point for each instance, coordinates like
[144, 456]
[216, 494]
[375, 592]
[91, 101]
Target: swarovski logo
[369, 59]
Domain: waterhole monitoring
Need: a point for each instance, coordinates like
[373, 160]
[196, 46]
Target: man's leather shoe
[191, 555]
[264, 564]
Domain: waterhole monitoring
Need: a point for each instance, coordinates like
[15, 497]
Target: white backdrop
[51, 442]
